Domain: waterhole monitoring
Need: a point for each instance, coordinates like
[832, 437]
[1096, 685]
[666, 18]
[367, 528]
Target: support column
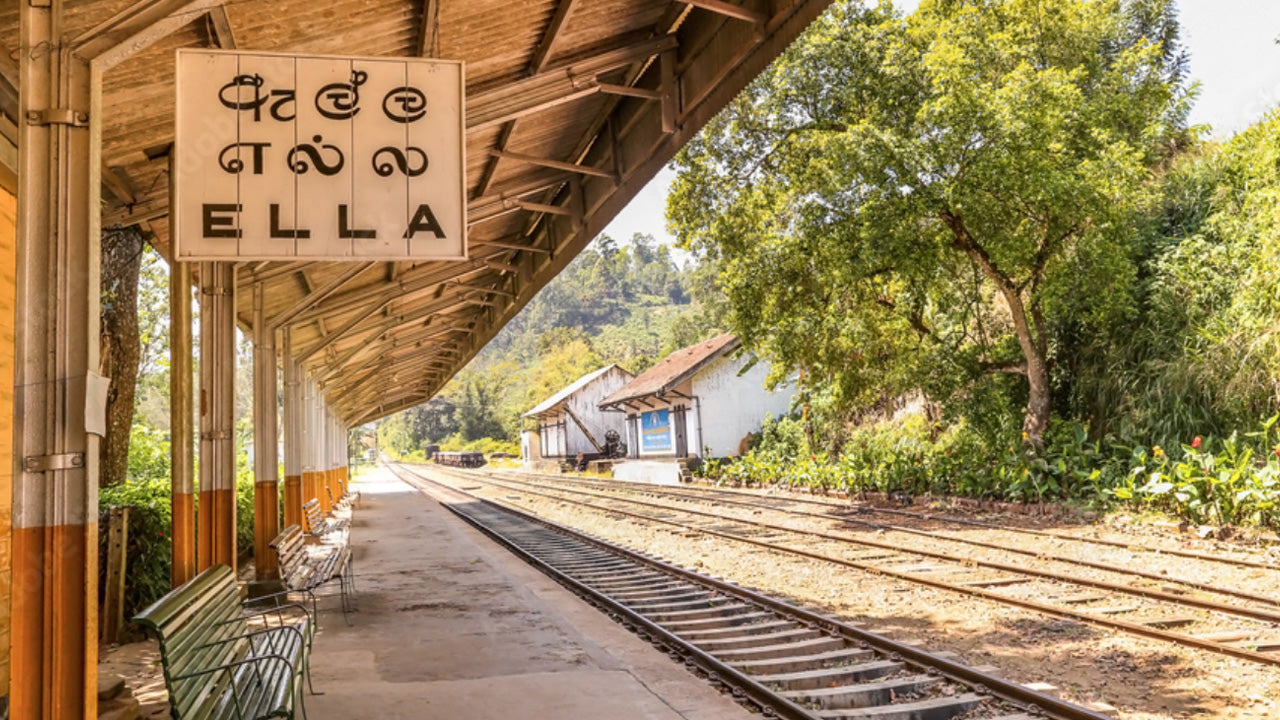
[321, 475]
[334, 466]
[217, 527]
[309, 441]
[181, 426]
[55, 491]
[266, 488]
[293, 419]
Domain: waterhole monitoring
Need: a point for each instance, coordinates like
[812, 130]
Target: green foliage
[914, 203]
[147, 493]
[456, 443]
[628, 304]
[781, 437]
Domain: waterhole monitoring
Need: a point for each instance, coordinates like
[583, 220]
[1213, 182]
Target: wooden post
[117, 546]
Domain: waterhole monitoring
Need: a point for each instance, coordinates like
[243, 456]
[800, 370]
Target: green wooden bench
[216, 665]
[306, 568]
[318, 525]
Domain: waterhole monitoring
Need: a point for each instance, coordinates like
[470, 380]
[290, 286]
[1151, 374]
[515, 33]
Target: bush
[1231, 481]
[148, 494]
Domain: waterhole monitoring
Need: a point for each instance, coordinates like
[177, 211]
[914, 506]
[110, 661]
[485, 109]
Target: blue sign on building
[655, 431]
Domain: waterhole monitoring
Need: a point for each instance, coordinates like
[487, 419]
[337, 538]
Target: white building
[696, 402]
[566, 418]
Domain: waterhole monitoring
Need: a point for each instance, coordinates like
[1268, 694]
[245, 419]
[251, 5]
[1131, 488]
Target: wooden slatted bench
[349, 496]
[317, 524]
[342, 504]
[215, 664]
[305, 568]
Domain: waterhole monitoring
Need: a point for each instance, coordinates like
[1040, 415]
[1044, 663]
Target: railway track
[843, 513]
[1205, 620]
[787, 661]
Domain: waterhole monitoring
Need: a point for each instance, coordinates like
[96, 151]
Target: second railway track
[1241, 631]
[787, 661]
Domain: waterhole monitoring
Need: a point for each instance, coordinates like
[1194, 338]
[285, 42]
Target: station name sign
[281, 157]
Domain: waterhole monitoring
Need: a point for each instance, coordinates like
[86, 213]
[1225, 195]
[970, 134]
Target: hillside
[627, 303]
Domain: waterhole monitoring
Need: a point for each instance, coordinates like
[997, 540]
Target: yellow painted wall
[8, 240]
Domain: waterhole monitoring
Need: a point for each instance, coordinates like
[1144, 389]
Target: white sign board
[281, 157]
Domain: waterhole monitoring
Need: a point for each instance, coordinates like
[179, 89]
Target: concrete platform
[452, 626]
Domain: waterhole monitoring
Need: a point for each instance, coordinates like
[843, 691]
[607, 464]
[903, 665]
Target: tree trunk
[1036, 420]
[1034, 346]
[121, 261]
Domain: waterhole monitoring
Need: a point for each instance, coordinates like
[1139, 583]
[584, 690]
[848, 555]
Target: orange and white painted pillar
[266, 483]
[216, 530]
[294, 411]
[181, 427]
[311, 441]
[59, 408]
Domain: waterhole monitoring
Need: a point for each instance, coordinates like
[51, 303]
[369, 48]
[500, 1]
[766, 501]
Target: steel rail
[1132, 547]
[1110, 623]
[1033, 701]
[1107, 567]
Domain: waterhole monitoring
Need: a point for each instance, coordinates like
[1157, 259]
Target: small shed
[700, 400]
[571, 421]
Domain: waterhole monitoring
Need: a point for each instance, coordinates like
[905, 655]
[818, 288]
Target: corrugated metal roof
[572, 107]
[673, 370]
[573, 387]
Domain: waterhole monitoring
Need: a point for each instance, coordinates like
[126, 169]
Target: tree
[895, 196]
[122, 250]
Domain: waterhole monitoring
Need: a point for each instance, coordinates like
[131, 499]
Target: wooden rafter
[554, 164]
[222, 30]
[428, 44]
[729, 10]
[136, 28]
[552, 34]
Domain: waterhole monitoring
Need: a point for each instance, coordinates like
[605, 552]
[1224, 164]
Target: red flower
[159, 534]
[1196, 443]
[1278, 452]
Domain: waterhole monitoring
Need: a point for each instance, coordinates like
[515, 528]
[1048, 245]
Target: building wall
[8, 279]
[730, 406]
[566, 439]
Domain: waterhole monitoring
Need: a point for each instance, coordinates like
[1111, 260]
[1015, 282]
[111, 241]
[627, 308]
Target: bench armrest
[301, 638]
[277, 610]
[274, 596]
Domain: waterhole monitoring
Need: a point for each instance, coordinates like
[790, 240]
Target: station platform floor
[450, 625]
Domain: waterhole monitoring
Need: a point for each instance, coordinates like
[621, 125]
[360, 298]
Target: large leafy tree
[900, 201]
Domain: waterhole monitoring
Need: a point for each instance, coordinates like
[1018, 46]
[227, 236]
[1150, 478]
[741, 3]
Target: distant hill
[627, 303]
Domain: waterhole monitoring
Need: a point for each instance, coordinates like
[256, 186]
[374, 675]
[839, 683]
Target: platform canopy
[571, 107]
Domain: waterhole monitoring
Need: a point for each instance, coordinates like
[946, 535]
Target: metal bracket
[58, 116]
[45, 463]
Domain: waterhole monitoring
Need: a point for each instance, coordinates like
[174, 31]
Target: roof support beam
[521, 247]
[136, 28]
[542, 208]
[628, 91]
[409, 282]
[428, 44]
[545, 48]
[312, 299]
[565, 83]
[729, 10]
[554, 164]
[222, 31]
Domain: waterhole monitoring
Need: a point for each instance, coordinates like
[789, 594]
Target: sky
[1234, 57]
